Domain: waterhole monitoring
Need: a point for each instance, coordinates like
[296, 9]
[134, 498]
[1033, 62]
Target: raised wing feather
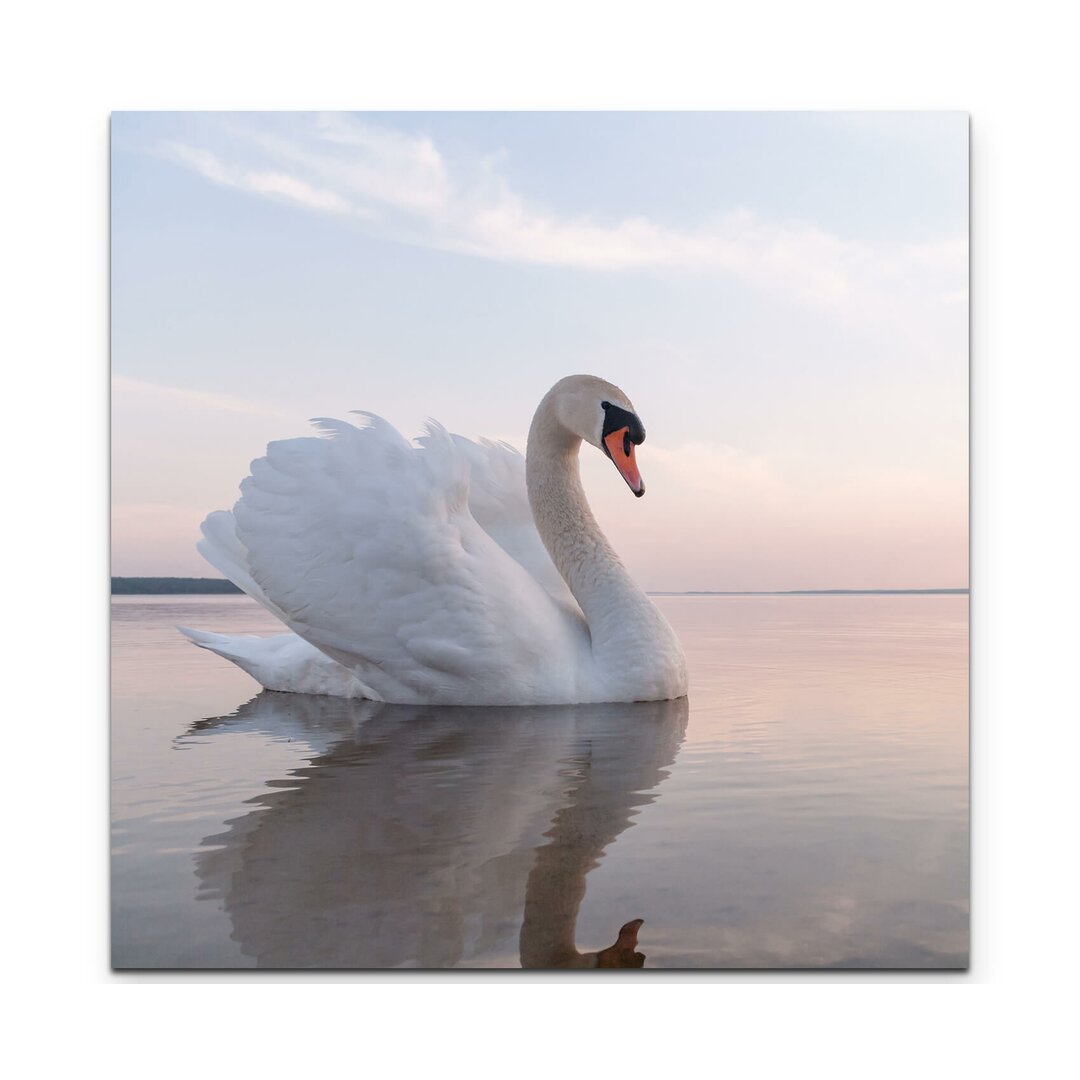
[365, 545]
[499, 502]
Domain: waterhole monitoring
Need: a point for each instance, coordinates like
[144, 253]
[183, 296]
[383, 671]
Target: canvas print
[539, 541]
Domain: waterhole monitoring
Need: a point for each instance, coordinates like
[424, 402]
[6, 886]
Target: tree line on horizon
[129, 586]
[148, 586]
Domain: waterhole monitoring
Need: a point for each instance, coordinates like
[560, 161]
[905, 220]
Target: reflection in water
[435, 837]
[816, 815]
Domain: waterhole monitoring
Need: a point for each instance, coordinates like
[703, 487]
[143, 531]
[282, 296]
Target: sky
[783, 296]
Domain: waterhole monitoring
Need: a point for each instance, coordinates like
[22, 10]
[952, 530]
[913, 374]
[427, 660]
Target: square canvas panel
[650, 650]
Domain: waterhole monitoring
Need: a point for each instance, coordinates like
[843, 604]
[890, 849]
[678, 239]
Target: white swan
[449, 572]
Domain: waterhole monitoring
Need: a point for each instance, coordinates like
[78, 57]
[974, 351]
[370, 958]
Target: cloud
[405, 187]
[198, 398]
[261, 182]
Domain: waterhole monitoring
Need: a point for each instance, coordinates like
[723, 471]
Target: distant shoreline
[820, 592]
[177, 586]
[172, 586]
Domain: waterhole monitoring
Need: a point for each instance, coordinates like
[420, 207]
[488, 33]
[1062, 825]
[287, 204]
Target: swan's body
[449, 572]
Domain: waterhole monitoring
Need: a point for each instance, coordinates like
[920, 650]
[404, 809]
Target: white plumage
[441, 571]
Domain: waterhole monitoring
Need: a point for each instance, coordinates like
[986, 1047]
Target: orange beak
[621, 450]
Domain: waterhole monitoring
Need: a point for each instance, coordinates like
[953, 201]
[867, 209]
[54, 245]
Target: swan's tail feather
[284, 662]
[240, 650]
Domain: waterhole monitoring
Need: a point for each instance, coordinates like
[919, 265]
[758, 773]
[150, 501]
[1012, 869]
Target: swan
[445, 571]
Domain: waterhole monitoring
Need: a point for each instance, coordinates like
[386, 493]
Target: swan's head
[623, 954]
[601, 414]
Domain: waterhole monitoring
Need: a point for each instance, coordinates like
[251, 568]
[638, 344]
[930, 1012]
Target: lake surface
[807, 806]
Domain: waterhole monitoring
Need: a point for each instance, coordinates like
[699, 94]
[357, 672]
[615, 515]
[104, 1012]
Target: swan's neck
[620, 616]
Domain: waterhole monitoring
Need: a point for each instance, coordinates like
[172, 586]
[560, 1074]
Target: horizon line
[808, 592]
[950, 591]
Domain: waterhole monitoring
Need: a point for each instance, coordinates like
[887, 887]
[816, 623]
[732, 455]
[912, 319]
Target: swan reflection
[435, 837]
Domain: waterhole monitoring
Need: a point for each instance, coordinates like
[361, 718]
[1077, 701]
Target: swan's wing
[221, 547]
[499, 502]
[365, 546]
[283, 662]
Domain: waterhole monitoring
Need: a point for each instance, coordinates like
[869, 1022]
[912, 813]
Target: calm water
[807, 807]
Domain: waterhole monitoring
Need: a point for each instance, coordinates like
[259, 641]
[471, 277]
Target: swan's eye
[616, 418]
